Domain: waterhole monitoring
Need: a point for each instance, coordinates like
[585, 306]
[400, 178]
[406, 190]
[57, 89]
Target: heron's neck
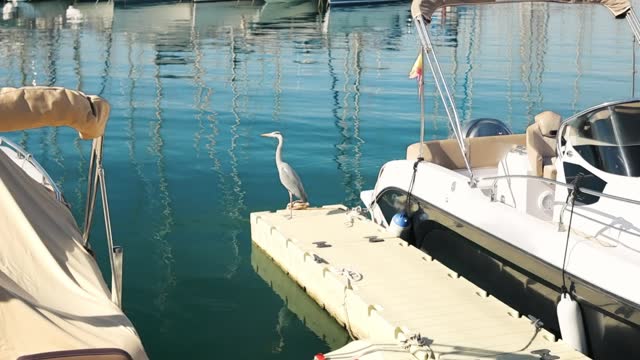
[279, 150]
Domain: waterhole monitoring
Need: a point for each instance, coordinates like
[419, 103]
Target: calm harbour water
[192, 87]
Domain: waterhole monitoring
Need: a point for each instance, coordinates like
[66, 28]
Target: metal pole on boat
[633, 67]
[443, 89]
[115, 253]
[634, 24]
[422, 116]
[92, 185]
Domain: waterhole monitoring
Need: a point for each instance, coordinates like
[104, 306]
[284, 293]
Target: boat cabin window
[608, 137]
[390, 202]
[393, 200]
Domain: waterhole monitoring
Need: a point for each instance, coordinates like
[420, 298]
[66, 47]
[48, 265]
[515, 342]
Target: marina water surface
[193, 85]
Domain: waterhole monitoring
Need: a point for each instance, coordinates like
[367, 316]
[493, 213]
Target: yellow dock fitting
[389, 294]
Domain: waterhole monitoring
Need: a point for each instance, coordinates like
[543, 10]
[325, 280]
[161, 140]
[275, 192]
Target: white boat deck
[402, 291]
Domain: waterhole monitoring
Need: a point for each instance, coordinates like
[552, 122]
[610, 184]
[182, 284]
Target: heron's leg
[290, 205]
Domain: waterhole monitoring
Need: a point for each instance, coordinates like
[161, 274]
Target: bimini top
[33, 107]
[427, 7]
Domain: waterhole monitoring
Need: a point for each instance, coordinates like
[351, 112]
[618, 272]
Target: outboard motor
[485, 127]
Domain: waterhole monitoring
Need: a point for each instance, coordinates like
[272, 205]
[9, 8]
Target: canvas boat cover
[427, 7]
[52, 294]
[36, 106]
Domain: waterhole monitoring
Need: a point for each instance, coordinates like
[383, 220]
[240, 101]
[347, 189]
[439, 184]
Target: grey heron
[288, 177]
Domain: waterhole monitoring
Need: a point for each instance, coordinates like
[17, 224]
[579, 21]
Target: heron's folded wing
[291, 181]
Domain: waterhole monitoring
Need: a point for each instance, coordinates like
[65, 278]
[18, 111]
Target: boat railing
[555, 182]
[23, 154]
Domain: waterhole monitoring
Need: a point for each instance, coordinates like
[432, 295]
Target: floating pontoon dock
[382, 289]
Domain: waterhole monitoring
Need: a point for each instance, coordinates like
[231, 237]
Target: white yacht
[54, 302]
[547, 221]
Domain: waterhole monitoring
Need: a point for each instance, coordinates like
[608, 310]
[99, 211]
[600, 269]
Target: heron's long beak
[266, 135]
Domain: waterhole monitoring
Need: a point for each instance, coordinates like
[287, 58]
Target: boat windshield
[608, 137]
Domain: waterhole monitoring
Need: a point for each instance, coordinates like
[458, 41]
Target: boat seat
[81, 354]
[541, 144]
[484, 152]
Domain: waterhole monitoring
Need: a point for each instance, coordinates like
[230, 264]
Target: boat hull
[473, 253]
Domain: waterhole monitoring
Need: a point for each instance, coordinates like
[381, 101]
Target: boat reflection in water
[224, 15]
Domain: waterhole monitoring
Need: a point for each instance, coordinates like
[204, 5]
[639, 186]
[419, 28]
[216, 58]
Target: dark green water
[192, 87]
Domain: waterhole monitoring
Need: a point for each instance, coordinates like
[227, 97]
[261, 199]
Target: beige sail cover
[52, 294]
[427, 7]
[33, 107]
